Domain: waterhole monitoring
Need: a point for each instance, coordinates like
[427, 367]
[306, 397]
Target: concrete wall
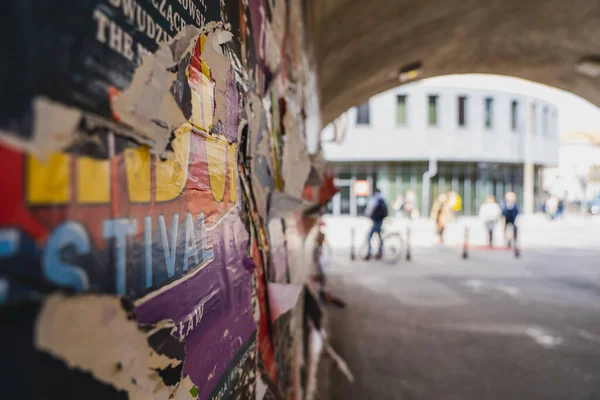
[362, 47]
[384, 140]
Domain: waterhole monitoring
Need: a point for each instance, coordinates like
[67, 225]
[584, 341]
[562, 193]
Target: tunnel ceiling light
[410, 72]
[589, 66]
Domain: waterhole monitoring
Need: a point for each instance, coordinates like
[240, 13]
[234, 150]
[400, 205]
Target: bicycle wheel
[393, 247]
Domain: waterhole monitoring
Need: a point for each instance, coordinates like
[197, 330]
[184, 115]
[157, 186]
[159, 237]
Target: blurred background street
[489, 327]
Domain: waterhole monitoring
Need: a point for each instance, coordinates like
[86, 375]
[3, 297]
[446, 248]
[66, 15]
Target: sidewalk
[535, 231]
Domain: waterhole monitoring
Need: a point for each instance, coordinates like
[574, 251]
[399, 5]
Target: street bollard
[408, 255]
[465, 253]
[352, 255]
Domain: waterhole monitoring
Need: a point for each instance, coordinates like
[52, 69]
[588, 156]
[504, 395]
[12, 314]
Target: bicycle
[394, 244]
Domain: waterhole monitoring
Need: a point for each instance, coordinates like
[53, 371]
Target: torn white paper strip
[148, 104]
[282, 204]
[93, 333]
[219, 66]
[340, 363]
[282, 298]
[261, 388]
[54, 128]
[296, 162]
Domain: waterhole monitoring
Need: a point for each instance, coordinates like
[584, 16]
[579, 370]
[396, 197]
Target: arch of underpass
[362, 46]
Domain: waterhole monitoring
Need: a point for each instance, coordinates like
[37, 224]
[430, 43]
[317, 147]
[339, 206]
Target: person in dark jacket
[510, 212]
[377, 211]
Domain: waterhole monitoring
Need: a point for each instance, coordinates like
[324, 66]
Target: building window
[514, 115]
[432, 109]
[545, 130]
[489, 105]
[532, 118]
[462, 111]
[401, 109]
[362, 114]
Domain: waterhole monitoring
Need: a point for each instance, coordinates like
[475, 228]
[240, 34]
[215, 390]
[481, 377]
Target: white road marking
[509, 290]
[588, 335]
[479, 286]
[541, 336]
[414, 292]
[474, 284]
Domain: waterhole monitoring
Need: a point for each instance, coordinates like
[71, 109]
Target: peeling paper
[261, 388]
[253, 111]
[319, 166]
[220, 67]
[296, 162]
[282, 298]
[232, 108]
[278, 250]
[169, 353]
[95, 334]
[282, 205]
[54, 128]
[184, 42]
[316, 345]
[340, 363]
[191, 193]
[260, 153]
[184, 390]
[148, 104]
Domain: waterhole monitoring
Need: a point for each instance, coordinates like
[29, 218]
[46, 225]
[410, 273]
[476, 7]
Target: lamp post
[430, 173]
[528, 170]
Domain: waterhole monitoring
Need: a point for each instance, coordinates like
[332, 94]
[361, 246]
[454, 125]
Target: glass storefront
[472, 181]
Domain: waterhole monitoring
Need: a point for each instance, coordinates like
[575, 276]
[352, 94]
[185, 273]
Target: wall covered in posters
[152, 153]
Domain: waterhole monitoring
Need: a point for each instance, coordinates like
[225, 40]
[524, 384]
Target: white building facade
[577, 178]
[477, 136]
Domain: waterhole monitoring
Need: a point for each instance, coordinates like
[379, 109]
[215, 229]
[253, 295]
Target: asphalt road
[491, 327]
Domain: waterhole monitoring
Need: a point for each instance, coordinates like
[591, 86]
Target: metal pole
[352, 255]
[528, 170]
[430, 173]
[465, 253]
[408, 255]
[516, 242]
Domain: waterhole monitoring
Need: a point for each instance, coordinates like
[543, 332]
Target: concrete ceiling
[360, 46]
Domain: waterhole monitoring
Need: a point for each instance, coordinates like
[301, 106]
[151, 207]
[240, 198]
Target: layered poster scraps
[140, 147]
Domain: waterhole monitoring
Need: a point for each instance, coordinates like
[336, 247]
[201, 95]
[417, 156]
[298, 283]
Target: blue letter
[148, 246]
[68, 233]
[120, 229]
[207, 253]
[170, 255]
[190, 242]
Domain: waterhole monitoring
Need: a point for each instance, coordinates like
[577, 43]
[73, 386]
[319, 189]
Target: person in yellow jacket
[455, 201]
[442, 213]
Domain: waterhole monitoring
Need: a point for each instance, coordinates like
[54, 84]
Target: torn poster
[77, 52]
[143, 227]
[131, 128]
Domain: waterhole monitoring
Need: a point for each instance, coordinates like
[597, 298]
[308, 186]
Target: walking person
[490, 212]
[560, 209]
[552, 207]
[510, 212]
[376, 210]
[410, 204]
[398, 206]
[441, 213]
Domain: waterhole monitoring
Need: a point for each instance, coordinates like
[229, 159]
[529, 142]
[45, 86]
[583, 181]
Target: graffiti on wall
[146, 152]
